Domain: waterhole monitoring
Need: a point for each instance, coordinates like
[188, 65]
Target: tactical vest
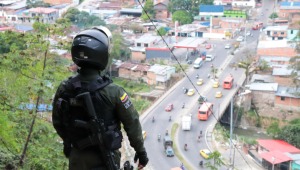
[72, 109]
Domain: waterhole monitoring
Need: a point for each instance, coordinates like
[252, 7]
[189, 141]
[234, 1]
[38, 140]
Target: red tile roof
[277, 145]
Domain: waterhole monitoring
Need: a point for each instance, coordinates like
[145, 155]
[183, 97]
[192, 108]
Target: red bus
[205, 111]
[228, 82]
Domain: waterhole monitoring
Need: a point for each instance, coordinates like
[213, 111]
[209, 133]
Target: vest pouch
[113, 138]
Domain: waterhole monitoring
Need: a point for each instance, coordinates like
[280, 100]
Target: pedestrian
[91, 53]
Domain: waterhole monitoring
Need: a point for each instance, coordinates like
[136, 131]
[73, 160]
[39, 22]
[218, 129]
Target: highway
[175, 95]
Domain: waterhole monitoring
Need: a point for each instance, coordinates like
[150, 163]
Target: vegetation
[273, 15]
[120, 50]
[190, 6]
[183, 17]
[273, 129]
[291, 133]
[217, 161]
[34, 4]
[82, 19]
[161, 31]
[149, 8]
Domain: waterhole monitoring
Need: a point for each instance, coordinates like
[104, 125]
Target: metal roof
[277, 145]
[132, 10]
[293, 156]
[160, 69]
[211, 8]
[287, 92]
[18, 5]
[190, 42]
[148, 38]
[276, 28]
[273, 44]
[283, 71]
[289, 5]
[262, 78]
[264, 86]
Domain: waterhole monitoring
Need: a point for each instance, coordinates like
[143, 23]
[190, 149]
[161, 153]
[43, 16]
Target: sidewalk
[241, 160]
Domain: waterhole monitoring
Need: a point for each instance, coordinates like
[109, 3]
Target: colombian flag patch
[124, 97]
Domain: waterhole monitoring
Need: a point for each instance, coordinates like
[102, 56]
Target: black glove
[142, 157]
[67, 151]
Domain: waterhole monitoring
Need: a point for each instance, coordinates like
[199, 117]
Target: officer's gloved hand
[67, 150]
[143, 159]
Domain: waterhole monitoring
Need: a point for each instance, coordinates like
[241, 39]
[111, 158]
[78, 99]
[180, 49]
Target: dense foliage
[291, 133]
[190, 6]
[183, 17]
[82, 19]
[148, 7]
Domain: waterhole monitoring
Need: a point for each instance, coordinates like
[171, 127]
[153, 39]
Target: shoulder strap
[75, 83]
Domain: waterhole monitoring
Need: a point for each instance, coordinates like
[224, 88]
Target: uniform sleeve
[57, 117]
[130, 120]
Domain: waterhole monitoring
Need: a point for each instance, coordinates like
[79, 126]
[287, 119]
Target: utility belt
[112, 140]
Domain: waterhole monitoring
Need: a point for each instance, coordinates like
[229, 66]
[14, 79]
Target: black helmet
[91, 48]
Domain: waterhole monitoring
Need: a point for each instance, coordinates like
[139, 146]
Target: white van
[198, 63]
[209, 57]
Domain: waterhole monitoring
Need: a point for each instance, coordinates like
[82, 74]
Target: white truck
[186, 122]
[198, 63]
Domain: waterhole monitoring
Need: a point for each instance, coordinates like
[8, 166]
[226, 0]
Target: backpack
[73, 110]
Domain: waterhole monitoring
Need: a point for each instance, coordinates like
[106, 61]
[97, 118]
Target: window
[292, 31]
[282, 98]
[282, 33]
[275, 32]
[145, 45]
[138, 44]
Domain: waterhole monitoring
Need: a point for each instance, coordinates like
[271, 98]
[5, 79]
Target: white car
[209, 57]
[240, 38]
[227, 46]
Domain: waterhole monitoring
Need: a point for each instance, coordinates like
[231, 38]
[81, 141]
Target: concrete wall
[286, 52]
[138, 56]
[262, 97]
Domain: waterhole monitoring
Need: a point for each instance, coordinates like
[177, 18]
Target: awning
[275, 157]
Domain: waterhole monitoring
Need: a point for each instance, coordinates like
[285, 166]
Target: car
[205, 153]
[169, 107]
[191, 92]
[202, 99]
[216, 84]
[209, 57]
[144, 134]
[208, 46]
[218, 94]
[240, 38]
[227, 46]
[200, 82]
[248, 33]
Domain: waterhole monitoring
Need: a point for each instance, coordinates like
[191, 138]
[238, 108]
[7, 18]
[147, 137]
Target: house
[140, 45]
[259, 78]
[206, 12]
[135, 12]
[270, 50]
[277, 153]
[235, 14]
[276, 32]
[46, 15]
[133, 71]
[161, 9]
[288, 97]
[10, 10]
[222, 2]
[160, 75]
[243, 4]
[292, 31]
[189, 30]
[286, 8]
[59, 2]
[263, 93]
[114, 5]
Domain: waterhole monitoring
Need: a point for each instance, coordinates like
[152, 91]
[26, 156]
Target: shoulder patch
[125, 100]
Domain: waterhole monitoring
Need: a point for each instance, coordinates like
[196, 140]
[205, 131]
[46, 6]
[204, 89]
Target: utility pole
[231, 129]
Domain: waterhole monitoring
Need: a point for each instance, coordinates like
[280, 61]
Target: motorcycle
[183, 105]
[201, 163]
[185, 147]
[158, 138]
[153, 120]
[170, 119]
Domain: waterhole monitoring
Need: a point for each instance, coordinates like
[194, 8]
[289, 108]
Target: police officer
[90, 52]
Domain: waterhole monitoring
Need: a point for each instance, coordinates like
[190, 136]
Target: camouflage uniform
[116, 105]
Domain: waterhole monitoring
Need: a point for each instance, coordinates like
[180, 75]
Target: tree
[291, 133]
[247, 63]
[161, 31]
[149, 8]
[34, 4]
[119, 49]
[273, 129]
[273, 15]
[182, 17]
[263, 65]
[28, 74]
[217, 162]
[190, 6]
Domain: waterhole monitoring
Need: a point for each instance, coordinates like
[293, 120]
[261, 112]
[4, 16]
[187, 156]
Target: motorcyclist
[170, 118]
[185, 147]
[198, 138]
[158, 137]
[183, 105]
[201, 163]
[197, 76]
[200, 132]
[167, 133]
[153, 120]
